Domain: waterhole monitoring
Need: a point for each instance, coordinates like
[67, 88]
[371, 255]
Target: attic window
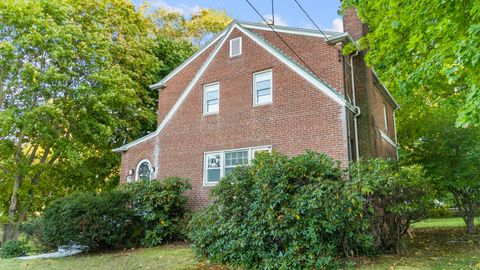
[236, 47]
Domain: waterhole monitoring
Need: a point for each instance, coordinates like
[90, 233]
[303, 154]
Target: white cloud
[278, 20]
[182, 8]
[337, 25]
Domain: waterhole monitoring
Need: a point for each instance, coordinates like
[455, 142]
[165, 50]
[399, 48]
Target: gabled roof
[329, 36]
[219, 40]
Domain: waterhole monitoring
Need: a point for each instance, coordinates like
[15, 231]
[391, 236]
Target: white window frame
[239, 44]
[259, 149]
[138, 167]
[385, 116]
[205, 91]
[251, 151]
[254, 87]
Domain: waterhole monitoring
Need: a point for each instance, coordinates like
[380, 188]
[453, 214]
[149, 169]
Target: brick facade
[300, 117]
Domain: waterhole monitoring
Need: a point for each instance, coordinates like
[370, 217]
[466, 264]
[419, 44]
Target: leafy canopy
[73, 84]
[426, 46]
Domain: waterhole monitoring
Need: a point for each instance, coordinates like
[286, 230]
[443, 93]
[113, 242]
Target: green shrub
[395, 198]
[13, 249]
[160, 205]
[283, 213]
[98, 221]
[33, 229]
[141, 213]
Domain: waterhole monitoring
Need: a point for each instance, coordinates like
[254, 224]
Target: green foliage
[450, 155]
[160, 205]
[33, 229]
[13, 249]
[98, 221]
[140, 213]
[197, 29]
[430, 47]
[74, 80]
[394, 198]
[283, 213]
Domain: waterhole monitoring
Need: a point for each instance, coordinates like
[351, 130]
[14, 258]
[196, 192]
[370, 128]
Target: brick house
[246, 91]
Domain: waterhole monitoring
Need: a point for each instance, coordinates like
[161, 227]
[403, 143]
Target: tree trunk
[469, 219]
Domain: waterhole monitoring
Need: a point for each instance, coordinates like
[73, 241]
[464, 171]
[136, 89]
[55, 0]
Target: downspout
[355, 120]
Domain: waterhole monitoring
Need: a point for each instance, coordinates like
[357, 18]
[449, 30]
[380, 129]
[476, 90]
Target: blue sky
[323, 12]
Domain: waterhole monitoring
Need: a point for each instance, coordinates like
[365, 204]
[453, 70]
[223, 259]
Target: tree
[426, 46]
[73, 83]
[197, 29]
[450, 154]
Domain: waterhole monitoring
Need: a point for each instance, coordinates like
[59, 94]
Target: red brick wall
[168, 96]
[301, 117]
[322, 58]
[371, 121]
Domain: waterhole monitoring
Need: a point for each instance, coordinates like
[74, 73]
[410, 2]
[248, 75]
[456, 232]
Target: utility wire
[328, 41]
[280, 37]
[311, 20]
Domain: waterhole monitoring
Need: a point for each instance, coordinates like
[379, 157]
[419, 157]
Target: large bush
[98, 221]
[395, 197]
[141, 213]
[160, 205]
[283, 213]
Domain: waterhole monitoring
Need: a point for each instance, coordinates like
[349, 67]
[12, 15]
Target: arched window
[144, 170]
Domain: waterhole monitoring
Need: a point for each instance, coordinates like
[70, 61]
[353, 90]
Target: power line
[280, 37]
[311, 20]
[318, 28]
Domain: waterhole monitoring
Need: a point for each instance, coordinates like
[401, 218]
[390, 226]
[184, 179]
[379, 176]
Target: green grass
[432, 247]
[165, 257]
[442, 223]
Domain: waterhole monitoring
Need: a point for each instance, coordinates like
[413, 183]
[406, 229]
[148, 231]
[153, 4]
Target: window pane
[213, 161]
[263, 85]
[264, 99]
[212, 95]
[263, 92]
[144, 171]
[212, 108]
[236, 158]
[229, 170]
[213, 175]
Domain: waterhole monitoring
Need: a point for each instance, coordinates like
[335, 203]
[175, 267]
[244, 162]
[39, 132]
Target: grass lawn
[443, 223]
[436, 244]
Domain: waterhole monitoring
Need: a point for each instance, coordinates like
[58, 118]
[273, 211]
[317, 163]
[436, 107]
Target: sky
[287, 13]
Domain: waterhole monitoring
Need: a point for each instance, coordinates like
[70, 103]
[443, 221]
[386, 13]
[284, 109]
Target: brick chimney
[353, 25]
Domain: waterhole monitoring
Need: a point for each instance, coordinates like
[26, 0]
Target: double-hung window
[213, 168]
[211, 98]
[234, 159]
[221, 163]
[262, 87]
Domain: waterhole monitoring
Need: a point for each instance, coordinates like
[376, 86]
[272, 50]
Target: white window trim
[254, 86]
[385, 116]
[251, 150]
[205, 98]
[388, 139]
[239, 44]
[138, 167]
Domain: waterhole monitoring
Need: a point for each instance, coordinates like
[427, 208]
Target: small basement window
[211, 98]
[262, 87]
[236, 47]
